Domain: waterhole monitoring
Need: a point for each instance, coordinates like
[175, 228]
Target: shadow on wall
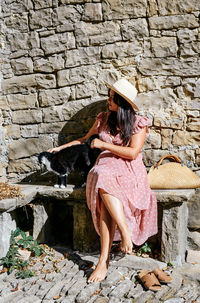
[75, 128]
[81, 122]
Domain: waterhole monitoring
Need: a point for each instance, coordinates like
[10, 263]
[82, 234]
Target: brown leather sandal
[149, 280]
[162, 276]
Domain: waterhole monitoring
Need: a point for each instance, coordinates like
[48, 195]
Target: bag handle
[175, 158]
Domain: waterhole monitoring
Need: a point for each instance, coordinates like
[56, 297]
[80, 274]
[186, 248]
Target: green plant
[25, 241]
[171, 264]
[12, 260]
[146, 248]
[29, 243]
[25, 273]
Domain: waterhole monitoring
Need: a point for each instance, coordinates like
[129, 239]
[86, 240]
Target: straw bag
[172, 175]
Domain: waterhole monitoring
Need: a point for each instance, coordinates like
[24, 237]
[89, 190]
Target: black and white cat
[62, 163]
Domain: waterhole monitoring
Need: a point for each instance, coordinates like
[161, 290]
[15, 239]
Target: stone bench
[173, 216]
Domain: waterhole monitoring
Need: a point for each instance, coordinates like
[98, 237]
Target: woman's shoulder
[140, 122]
[102, 118]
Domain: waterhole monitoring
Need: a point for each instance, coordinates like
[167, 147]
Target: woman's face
[111, 105]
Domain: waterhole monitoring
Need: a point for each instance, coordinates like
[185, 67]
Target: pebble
[68, 283]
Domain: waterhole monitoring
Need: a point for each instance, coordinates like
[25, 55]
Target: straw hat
[125, 89]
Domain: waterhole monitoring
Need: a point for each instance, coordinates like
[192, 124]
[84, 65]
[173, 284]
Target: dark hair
[123, 119]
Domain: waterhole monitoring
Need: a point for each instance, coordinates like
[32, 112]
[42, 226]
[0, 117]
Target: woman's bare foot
[126, 243]
[99, 273]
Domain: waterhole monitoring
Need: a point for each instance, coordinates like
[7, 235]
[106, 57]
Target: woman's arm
[128, 152]
[92, 131]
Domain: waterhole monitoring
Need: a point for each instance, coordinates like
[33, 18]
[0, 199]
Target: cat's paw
[56, 185]
[62, 186]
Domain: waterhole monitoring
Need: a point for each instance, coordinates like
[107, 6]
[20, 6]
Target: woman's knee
[102, 191]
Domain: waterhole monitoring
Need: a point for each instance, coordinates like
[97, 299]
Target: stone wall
[56, 55]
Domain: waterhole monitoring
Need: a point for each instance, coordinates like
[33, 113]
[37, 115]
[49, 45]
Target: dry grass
[8, 191]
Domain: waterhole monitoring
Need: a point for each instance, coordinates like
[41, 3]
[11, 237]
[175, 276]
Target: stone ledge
[173, 195]
[30, 192]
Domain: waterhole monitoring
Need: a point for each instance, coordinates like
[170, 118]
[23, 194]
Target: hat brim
[122, 95]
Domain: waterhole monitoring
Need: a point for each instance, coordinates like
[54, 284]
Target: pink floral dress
[126, 180]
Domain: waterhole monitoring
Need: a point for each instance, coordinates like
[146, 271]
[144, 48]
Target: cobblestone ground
[63, 279]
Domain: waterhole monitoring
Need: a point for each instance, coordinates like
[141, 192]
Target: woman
[118, 194]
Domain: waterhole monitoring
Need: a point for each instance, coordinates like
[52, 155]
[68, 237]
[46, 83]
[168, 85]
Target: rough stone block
[177, 7]
[185, 138]
[153, 8]
[7, 224]
[85, 237]
[22, 166]
[145, 84]
[121, 49]
[194, 210]
[19, 21]
[51, 64]
[194, 239]
[40, 217]
[29, 131]
[63, 15]
[85, 90]
[13, 131]
[20, 101]
[97, 33]
[186, 35]
[164, 46]
[193, 256]
[123, 9]
[193, 124]
[4, 103]
[27, 116]
[170, 66]
[72, 76]
[92, 12]
[134, 28]
[82, 56]
[53, 114]
[51, 128]
[152, 156]
[174, 233]
[38, 4]
[173, 118]
[41, 18]
[26, 83]
[58, 43]
[23, 41]
[154, 140]
[26, 147]
[51, 97]
[157, 100]
[169, 22]
[190, 49]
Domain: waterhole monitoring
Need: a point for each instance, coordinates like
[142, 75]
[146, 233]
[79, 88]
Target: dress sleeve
[140, 123]
[101, 118]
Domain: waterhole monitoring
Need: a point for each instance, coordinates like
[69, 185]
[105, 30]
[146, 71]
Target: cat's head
[44, 160]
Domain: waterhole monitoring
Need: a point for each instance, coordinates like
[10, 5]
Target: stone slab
[135, 262]
[173, 195]
[29, 192]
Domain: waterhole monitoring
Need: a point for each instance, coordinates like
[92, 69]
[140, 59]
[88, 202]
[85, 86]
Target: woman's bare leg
[116, 211]
[107, 230]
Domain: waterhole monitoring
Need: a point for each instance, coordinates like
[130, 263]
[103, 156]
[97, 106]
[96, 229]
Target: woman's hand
[97, 143]
[54, 150]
